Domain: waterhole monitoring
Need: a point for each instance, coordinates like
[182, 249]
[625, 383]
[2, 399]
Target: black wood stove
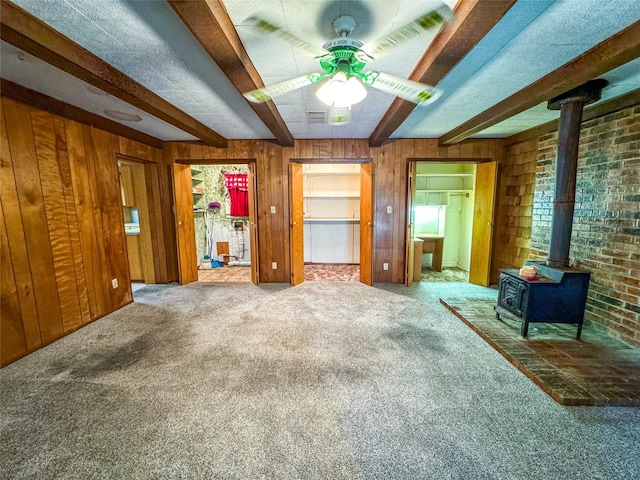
[558, 294]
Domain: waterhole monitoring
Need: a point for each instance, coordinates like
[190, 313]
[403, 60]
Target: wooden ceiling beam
[40, 100]
[27, 33]
[210, 24]
[606, 107]
[604, 57]
[472, 20]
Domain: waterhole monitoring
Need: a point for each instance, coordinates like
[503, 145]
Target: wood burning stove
[558, 295]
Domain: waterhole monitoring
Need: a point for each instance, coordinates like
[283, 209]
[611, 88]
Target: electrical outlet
[114, 283]
[385, 266]
[274, 265]
[273, 209]
[389, 209]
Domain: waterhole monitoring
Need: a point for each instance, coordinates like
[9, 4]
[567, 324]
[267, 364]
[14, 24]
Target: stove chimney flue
[570, 105]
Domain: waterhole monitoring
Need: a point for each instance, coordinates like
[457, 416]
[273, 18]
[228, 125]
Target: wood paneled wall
[62, 234]
[390, 172]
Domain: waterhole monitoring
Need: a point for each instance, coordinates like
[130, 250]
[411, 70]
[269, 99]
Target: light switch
[389, 209]
[273, 209]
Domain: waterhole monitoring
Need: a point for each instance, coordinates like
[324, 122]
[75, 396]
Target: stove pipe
[570, 105]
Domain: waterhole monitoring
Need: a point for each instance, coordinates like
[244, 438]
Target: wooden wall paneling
[16, 240]
[91, 249]
[433, 149]
[57, 219]
[112, 219]
[405, 149]
[322, 149]
[279, 196]
[13, 342]
[134, 149]
[383, 223]
[188, 262]
[62, 147]
[286, 211]
[338, 148]
[296, 235]
[34, 221]
[420, 147]
[165, 177]
[156, 225]
[240, 149]
[359, 149]
[367, 196]
[263, 167]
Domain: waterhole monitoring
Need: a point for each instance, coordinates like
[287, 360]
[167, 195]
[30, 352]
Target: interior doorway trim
[477, 274]
[253, 211]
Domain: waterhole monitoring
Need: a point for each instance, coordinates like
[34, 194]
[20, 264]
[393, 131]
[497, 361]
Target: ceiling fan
[342, 61]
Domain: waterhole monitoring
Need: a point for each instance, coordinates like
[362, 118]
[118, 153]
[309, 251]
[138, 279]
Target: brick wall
[606, 229]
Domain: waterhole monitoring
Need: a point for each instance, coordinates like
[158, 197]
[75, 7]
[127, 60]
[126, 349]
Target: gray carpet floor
[326, 380]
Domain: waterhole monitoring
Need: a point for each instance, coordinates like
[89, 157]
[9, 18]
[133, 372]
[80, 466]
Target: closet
[331, 205]
[443, 209]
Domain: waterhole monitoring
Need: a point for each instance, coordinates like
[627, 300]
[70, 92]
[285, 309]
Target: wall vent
[316, 117]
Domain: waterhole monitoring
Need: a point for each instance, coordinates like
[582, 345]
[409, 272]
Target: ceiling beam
[27, 33]
[210, 24]
[607, 55]
[606, 107]
[40, 100]
[472, 20]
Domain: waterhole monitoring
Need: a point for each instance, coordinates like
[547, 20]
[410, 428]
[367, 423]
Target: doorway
[450, 212]
[216, 212]
[331, 227]
[138, 223]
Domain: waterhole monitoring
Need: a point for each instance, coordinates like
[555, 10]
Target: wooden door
[185, 228]
[409, 254]
[483, 212]
[296, 222]
[366, 223]
[253, 223]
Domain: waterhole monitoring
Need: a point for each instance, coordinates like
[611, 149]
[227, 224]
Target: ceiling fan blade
[267, 93]
[421, 24]
[290, 39]
[407, 89]
[339, 115]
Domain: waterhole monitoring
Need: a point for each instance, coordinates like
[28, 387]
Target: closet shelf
[330, 219]
[332, 194]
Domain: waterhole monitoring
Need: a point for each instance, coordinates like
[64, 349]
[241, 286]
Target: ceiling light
[124, 116]
[341, 92]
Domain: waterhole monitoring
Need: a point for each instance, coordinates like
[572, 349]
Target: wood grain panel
[34, 221]
[62, 148]
[187, 256]
[113, 237]
[16, 242]
[91, 253]
[13, 342]
[145, 242]
[57, 220]
[483, 212]
[366, 222]
[253, 223]
[297, 223]
[158, 246]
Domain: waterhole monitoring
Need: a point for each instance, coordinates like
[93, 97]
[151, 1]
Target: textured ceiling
[148, 41]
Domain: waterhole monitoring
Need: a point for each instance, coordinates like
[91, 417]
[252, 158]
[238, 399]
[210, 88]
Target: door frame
[253, 210]
[147, 173]
[295, 256]
[411, 168]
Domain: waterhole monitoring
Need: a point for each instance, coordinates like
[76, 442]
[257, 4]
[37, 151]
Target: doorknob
[369, 223]
[179, 223]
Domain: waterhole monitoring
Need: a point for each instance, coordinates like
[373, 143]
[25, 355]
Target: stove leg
[579, 331]
[524, 330]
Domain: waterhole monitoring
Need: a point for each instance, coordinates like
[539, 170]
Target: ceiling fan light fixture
[340, 91]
